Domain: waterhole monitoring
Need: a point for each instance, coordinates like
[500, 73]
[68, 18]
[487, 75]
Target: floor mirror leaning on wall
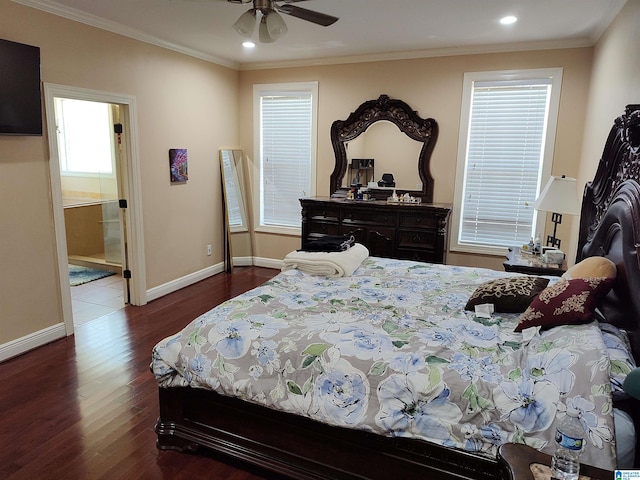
[238, 249]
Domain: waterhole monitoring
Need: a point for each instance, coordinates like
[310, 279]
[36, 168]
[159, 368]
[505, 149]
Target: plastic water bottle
[565, 463]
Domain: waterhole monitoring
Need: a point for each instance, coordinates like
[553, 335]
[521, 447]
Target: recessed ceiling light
[508, 20]
[248, 44]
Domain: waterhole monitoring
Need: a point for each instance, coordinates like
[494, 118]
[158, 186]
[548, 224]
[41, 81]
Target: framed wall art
[178, 165]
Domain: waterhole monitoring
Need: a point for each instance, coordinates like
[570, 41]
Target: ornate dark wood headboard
[610, 221]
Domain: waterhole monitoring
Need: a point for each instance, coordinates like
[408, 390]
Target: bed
[384, 373]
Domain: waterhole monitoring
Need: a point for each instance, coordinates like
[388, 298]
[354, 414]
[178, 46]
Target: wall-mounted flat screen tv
[20, 97]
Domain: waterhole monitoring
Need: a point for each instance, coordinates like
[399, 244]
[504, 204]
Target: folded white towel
[329, 264]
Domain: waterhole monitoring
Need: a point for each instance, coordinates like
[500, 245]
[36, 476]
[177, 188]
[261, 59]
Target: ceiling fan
[272, 25]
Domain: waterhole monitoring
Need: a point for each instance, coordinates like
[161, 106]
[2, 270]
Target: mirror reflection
[364, 121]
[389, 147]
[238, 238]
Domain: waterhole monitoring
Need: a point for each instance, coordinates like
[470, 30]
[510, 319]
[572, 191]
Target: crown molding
[416, 54]
[117, 28]
[612, 12]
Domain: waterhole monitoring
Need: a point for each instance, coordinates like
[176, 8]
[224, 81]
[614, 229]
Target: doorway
[95, 189]
[90, 158]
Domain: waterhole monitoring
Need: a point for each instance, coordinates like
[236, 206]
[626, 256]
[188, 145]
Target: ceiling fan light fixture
[246, 24]
[263, 32]
[275, 24]
[272, 25]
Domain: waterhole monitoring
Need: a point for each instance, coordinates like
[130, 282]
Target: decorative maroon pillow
[513, 294]
[565, 303]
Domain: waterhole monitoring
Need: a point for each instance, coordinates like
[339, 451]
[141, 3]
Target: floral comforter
[391, 350]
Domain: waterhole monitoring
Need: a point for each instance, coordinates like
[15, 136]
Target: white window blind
[286, 155]
[505, 149]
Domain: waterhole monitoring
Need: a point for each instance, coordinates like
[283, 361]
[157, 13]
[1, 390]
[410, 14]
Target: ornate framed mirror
[423, 132]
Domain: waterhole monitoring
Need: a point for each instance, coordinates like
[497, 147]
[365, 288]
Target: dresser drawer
[323, 228]
[418, 221]
[379, 241]
[322, 213]
[416, 239]
[368, 218]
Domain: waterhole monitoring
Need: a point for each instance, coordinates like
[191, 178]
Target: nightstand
[522, 462]
[531, 264]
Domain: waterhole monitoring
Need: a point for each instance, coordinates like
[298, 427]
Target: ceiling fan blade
[308, 15]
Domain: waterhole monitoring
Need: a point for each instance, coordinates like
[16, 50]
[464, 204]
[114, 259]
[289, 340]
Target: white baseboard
[242, 261]
[267, 262]
[31, 341]
[178, 283]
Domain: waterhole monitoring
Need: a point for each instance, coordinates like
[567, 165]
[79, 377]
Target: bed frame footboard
[301, 448]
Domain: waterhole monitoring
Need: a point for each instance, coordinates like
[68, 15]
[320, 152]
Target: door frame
[130, 187]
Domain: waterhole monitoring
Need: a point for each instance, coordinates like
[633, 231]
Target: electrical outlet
[209, 250]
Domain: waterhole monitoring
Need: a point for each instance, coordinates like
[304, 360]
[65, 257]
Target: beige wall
[615, 83]
[181, 102]
[433, 87]
[29, 293]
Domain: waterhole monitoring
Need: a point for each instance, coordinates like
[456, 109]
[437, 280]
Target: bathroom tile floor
[98, 298]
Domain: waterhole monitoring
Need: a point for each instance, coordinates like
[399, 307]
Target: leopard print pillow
[508, 295]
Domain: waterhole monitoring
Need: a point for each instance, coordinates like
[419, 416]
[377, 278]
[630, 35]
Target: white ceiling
[367, 29]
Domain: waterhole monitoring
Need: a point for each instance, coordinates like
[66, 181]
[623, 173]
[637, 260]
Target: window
[507, 130]
[84, 137]
[286, 150]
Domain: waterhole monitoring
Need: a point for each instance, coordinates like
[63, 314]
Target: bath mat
[79, 275]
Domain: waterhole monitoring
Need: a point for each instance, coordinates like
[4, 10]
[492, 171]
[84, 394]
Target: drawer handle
[418, 239]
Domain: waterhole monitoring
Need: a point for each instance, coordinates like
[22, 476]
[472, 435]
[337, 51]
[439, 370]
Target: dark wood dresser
[405, 231]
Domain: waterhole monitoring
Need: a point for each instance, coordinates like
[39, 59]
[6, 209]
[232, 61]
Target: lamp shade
[275, 24]
[246, 24]
[263, 32]
[559, 195]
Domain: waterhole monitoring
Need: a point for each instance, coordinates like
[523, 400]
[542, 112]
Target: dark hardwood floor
[84, 407]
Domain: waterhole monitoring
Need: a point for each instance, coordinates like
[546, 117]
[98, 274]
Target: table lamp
[558, 196]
